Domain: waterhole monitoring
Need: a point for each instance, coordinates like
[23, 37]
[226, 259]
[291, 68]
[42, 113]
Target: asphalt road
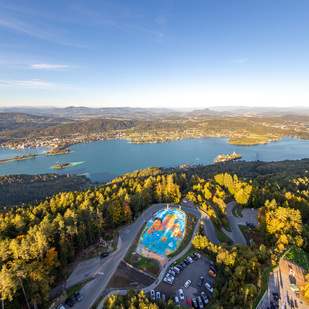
[238, 237]
[92, 290]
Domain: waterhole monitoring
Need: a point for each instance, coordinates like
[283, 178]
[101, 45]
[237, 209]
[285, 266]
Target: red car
[188, 301]
[212, 273]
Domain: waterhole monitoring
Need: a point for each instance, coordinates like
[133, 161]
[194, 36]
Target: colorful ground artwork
[162, 235]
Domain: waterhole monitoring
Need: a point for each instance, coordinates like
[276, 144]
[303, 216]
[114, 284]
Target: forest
[38, 239]
[24, 189]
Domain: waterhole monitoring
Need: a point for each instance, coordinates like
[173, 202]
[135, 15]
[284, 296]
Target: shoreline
[154, 141]
[18, 158]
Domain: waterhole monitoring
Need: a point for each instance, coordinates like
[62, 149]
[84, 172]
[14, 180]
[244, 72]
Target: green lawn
[149, 266]
[297, 255]
[222, 237]
[234, 211]
[76, 288]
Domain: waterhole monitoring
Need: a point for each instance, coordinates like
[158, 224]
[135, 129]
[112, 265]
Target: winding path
[94, 267]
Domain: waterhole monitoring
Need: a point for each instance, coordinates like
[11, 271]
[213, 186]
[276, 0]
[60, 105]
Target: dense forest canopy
[38, 240]
[19, 189]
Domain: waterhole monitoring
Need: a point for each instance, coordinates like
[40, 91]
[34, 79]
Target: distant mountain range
[82, 112]
[262, 111]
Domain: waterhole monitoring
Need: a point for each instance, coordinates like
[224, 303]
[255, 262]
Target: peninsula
[225, 158]
[17, 158]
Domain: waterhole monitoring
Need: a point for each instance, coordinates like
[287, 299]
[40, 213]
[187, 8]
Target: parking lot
[193, 272]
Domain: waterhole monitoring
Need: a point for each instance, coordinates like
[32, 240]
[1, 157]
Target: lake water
[106, 160]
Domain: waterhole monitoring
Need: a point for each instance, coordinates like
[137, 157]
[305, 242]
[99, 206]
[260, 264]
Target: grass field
[147, 265]
[248, 139]
[222, 237]
[297, 255]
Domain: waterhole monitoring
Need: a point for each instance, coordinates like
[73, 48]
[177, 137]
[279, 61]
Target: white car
[61, 307]
[181, 296]
[168, 281]
[176, 269]
[205, 299]
[200, 303]
[209, 287]
[152, 295]
[158, 296]
[171, 272]
[187, 283]
[190, 259]
[177, 301]
[198, 255]
[170, 276]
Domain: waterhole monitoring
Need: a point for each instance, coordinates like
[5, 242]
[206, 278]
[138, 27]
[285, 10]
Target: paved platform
[280, 281]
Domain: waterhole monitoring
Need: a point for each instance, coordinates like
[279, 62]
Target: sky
[154, 53]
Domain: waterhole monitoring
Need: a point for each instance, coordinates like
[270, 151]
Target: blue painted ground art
[162, 235]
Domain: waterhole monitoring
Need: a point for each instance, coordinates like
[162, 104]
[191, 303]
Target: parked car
[177, 301]
[212, 264]
[179, 266]
[200, 303]
[183, 264]
[250, 224]
[186, 261]
[194, 303]
[181, 296]
[163, 297]
[192, 255]
[198, 255]
[171, 272]
[61, 307]
[70, 301]
[158, 296]
[170, 276]
[153, 294]
[187, 283]
[103, 255]
[204, 297]
[212, 273]
[78, 296]
[176, 269]
[200, 281]
[209, 287]
[214, 269]
[168, 281]
[189, 302]
[295, 303]
[190, 259]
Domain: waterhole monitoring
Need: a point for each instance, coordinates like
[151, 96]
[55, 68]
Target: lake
[108, 159]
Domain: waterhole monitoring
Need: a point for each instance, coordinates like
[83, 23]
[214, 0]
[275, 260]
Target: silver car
[152, 295]
[200, 303]
[205, 299]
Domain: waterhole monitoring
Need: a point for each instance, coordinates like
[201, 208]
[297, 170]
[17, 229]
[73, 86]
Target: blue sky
[154, 53]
